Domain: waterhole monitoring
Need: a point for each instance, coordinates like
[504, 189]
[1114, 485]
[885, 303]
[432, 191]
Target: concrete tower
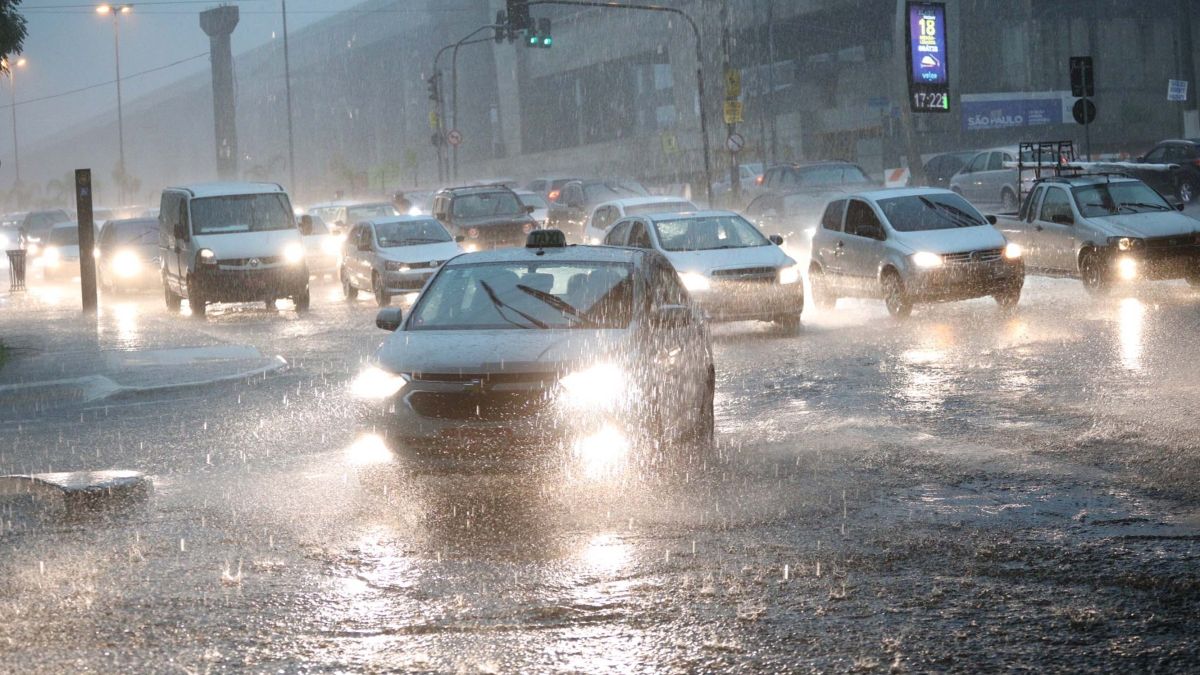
[218, 24]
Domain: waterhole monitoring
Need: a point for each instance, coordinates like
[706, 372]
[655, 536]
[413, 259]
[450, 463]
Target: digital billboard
[929, 75]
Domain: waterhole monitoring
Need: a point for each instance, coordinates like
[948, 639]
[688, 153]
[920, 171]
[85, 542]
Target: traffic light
[433, 88]
[501, 26]
[539, 36]
[518, 15]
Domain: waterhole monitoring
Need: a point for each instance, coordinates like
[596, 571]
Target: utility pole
[287, 87]
[733, 86]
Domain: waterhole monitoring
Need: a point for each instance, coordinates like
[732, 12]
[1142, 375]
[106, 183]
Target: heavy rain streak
[524, 336]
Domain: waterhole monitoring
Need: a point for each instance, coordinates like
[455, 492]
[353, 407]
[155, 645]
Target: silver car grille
[970, 257]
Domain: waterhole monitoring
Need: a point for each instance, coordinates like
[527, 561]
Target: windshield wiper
[501, 305]
[558, 303]
[950, 213]
[1156, 207]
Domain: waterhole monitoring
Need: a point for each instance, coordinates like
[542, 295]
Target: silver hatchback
[393, 256]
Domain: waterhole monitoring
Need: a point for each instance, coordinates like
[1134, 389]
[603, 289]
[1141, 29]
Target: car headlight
[126, 264]
[206, 256]
[32, 248]
[375, 383]
[51, 256]
[927, 260]
[601, 386]
[396, 266]
[293, 253]
[1127, 268]
[695, 281]
[789, 275]
[470, 248]
[1013, 251]
[1126, 243]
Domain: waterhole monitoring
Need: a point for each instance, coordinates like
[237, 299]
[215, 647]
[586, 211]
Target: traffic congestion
[603, 392]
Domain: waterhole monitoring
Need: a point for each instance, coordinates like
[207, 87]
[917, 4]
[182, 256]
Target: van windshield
[241, 213]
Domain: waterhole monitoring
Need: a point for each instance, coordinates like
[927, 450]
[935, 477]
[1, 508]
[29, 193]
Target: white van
[230, 242]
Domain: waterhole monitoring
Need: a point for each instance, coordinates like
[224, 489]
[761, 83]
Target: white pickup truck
[1103, 229]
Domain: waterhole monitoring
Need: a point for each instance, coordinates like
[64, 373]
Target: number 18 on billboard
[929, 75]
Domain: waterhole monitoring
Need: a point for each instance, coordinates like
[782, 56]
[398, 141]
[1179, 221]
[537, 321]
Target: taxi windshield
[551, 295]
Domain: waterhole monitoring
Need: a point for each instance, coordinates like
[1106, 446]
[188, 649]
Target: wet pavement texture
[964, 491]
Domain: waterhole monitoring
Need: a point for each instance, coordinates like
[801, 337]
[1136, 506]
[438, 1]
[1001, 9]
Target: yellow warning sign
[733, 112]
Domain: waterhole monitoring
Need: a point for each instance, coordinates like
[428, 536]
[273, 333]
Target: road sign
[733, 112]
[1083, 76]
[733, 84]
[735, 142]
[1082, 114]
[1177, 90]
[670, 144]
[454, 138]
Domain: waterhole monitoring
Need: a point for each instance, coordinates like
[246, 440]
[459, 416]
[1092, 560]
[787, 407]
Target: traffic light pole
[708, 181]
[453, 97]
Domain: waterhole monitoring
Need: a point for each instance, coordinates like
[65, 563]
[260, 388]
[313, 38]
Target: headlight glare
[293, 253]
[1127, 243]
[1127, 268]
[206, 256]
[695, 281]
[51, 256]
[126, 264]
[1013, 251]
[927, 260]
[789, 275]
[599, 387]
[375, 383]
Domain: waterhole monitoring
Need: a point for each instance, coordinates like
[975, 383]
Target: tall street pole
[120, 114]
[12, 82]
[287, 86]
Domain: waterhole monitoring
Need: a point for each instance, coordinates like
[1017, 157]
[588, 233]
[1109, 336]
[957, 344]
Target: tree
[12, 31]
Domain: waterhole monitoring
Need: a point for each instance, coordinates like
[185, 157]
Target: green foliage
[12, 29]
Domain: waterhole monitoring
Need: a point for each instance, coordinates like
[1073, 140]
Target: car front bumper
[409, 281]
[750, 301]
[966, 281]
[1157, 261]
[222, 284]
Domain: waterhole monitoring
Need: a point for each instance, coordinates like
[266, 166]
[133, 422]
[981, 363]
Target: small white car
[60, 255]
[606, 213]
[393, 256]
[597, 347]
[128, 255]
[734, 272]
[322, 248]
[911, 245]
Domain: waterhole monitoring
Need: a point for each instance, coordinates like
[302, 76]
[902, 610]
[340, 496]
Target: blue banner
[1010, 113]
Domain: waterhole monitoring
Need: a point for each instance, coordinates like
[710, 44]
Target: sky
[70, 46]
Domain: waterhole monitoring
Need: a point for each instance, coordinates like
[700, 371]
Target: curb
[80, 492]
[93, 388]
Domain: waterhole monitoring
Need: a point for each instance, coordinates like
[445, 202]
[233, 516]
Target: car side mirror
[389, 318]
[1062, 219]
[305, 225]
[460, 239]
[530, 208]
[181, 231]
[1179, 206]
[992, 220]
[776, 239]
[670, 317]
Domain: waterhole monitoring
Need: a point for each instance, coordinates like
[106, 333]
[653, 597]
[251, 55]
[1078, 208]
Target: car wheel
[381, 295]
[1008, 298]
[348, 290]
[174, 302]
[895, 296]
[823, 296]
[1186, 190]
[1008, 201]
[302, 300]
[1095, 277]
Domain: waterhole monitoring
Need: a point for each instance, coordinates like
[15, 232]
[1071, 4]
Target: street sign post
[454, 137]
[1083, 84]
[735, 142]
[733, 112]
[87, 238]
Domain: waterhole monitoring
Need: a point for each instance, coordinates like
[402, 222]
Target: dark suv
[487, 216]
[1181, 181]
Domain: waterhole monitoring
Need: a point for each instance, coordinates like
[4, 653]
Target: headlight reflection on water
[603, 453]
[368, 450]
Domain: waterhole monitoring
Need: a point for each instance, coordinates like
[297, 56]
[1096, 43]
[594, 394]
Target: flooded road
[963, 491]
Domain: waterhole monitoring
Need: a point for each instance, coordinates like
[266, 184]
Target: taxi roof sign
[546, 239]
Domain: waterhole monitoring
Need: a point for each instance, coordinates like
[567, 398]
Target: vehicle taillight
[758, 180]
[553, 196]
[1196, 162]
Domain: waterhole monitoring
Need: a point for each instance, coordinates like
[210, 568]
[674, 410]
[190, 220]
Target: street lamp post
[12, 82]
[116, 11]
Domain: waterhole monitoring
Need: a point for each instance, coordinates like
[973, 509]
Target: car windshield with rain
[705, 233]
[410, 233]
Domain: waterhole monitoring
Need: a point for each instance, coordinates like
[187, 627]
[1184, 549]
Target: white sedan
[734, 271]
[607, 213]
